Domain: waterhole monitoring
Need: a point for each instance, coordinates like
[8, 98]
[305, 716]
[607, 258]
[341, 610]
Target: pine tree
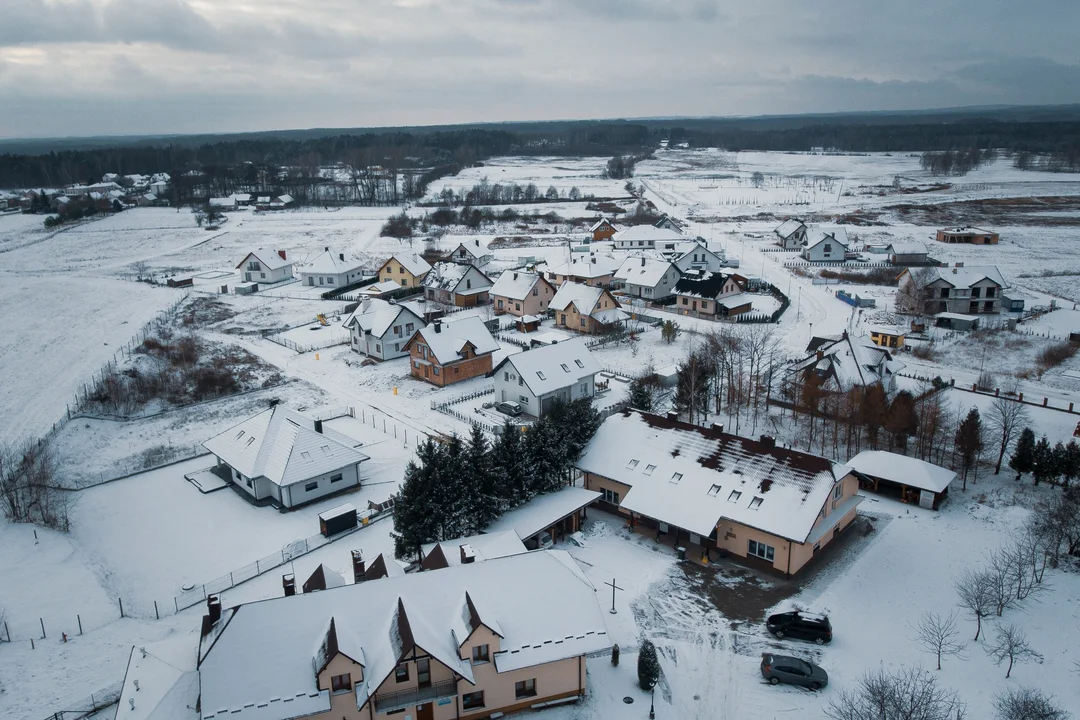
[415, 521]
[669, 331]
[1070, 467]
[483, 481]
[648, 665]
[969, 441]
[1024, 453]
[641, 394]
[453, 491]
[508, 465]
[1042, 461]
[543, 451]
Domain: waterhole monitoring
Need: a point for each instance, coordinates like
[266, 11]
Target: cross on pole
[613, 587]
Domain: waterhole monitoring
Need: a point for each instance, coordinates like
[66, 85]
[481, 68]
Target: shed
[956, 321]
[909, 479]
[558, 512]
[528, 323]
[338, 519]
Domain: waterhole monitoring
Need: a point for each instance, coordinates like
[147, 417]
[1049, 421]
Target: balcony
[387, 702]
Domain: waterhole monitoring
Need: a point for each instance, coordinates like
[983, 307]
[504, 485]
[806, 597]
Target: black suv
[801, 625]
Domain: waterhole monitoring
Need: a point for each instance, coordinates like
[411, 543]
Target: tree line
[456, 488]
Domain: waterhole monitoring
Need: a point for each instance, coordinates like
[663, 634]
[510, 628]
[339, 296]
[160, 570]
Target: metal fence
[338, 336]
[95, 701]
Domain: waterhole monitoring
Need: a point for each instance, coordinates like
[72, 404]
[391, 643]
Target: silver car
[793, 671]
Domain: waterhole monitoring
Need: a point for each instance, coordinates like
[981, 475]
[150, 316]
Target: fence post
[176, 604]
[121, 601]
[157, 615]
[77, 617]
[42, 628]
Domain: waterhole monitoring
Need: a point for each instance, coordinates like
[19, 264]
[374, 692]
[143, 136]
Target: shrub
[648, 665]
[1053, 355]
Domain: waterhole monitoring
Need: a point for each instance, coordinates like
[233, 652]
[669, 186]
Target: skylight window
[540, 375]
[676, 477]
[305, 454]
[248, 443]
[564, 367]
[239, 435]
[632, 464]
[735, 495]
[579, 364]
[649, 469]
[756, 503]
[714, 491]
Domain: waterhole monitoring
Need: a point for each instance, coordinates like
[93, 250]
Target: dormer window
[480, 654]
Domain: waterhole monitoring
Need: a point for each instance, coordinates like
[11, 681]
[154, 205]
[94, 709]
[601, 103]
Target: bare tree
[1005, 419]
[1001, 575]
[911, 693]
[911, 294]
[1011, 644]
[975, 591]
[937, 634]
[1027, 703]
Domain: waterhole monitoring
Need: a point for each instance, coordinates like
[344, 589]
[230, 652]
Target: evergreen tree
[969, 441]
[415, 518]
[1042, 461]
[1024, 453]
[648, 665]
[641, 394]
[669, 331]
[1070, 466]
[544, 452]
[508, 465]
[483, 482]
[453, 491]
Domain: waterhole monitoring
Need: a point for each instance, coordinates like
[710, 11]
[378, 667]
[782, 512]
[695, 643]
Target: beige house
[591, 269]
[521, 293]
[405, 270]
[712, 492]
[471, 640]
[585, 308]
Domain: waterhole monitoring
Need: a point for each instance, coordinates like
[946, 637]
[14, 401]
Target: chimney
[213, 608]
[477, 241]
[768, 441]
[820, 354]
[468, 555]
[594, 260]
[358, 566]
[318, 426]
[341, 257]
[282, 254]
[718, 427]
[274, 402]
[642, 262]
[326, 249]
[672, 415]
[437, 324]
[954, 271]
[288, 584]
[515, 276]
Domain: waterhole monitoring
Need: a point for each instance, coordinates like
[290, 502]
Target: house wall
[534, 303]
[959, 299]
[439, 673]
[424, 368]
[342, 703]
[573, 319]
[604, 232]
[297, 494]
[686, 304]
[818, 253]
[664, 287]
[393, 270]
[793, 241]
[383, 348]
[706, 260]
[330, 280]
[263, 275]
[510, 386]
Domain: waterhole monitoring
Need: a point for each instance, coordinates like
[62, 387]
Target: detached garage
[906, 478]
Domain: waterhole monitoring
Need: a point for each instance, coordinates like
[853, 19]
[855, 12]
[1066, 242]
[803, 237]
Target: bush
[398, 226]
[648, 665]
[1055, 354]
[615, 654]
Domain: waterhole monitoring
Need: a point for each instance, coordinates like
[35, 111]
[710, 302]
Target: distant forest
[1049, 139]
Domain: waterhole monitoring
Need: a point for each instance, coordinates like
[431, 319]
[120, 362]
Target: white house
[287, 457]
[331, 270]
[645, 237]
[825, 244]
[692, 255]
[459, 284]
[266, 266]
[668, 223]
[380, 329]
[537, 378]
[846, 363]
[791, 234]
[471, 252]
[647, 278]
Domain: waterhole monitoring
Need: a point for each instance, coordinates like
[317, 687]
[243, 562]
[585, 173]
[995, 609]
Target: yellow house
[467, 641]
[407, 270]
[887, 337]
[715, 493]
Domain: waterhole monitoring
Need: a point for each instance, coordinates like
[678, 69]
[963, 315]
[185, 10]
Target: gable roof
[647, 233]
[543, 511]
[473, 247]
[553, 367]
[601, 223]
[644, 271]
[270, 258]
[818, 235]
[447, 339]
[789, 227]
[283, 446]
[693, 477]
[708, 286]
[162, 679]
[262, 656]
[448, 275]
[411, 262]
[965, 277]
[584, 298]
[485, 547]
[516, 284]
[902, 469]
[853, 361]
[906, 247]
[328, 263]
[376, 316]
[590, 266]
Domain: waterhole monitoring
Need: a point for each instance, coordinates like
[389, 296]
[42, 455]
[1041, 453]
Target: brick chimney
[642, 262]
[288, 584]
[468, 555]
[282, 254]
[437, 325]
[718, 427]
[358, 566]
[318, 426]
[768, 441]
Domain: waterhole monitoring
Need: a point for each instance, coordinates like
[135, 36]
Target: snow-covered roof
[968, 230]
[643, 271]
[411, 262]
[271, 259]
[222, 202]
[816, 235]
[515, 284]
[553, 367]
[611, 315]
[283, 446]
[543, 511]
[447, 339]
[285, 199]
[906, 247]
[789, 227]
[376, 316]
[473, 247]
[489, 546]
[328, 263]
[162, 680]
[261, 665]
[448, 275]
[591, 266]
[693, 477]
[379, 288]
[600, 223]
[966, 276]
[853, 361]
[647, 233]
[708, 286]
[584, 297]
[902, 469]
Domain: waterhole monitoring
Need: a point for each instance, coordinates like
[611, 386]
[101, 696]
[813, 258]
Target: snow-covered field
[70, 300]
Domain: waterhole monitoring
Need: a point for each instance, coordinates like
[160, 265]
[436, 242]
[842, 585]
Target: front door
[425, 712]
[311, 280]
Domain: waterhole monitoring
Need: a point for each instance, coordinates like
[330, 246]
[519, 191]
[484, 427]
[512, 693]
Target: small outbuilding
[556, 513]
[909, 479]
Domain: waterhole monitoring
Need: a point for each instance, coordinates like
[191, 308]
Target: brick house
[602, 230]
[444, 353]
[970, 235]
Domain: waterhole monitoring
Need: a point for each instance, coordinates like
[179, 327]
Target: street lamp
[652, 704]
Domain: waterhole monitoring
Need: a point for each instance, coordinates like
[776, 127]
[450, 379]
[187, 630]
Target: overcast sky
[95, 67]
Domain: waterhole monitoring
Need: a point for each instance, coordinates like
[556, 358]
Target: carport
[906, 478]
[560, 513]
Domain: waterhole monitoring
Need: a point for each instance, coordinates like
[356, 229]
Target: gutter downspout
[788, 573]
[581, 689]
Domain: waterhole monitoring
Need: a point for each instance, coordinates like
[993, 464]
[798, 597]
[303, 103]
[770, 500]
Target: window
[249, 483]
[262, 275]
[676, 477]
[378, 347]
[838, 491]
[401, 269]
[761, 550]
[341, 683]
[468, 284]
[311, 486]
[336, 477]
[649, 469]
[423, 672]
[435, 369]
[734, 496]
[397, 329]
[610, 496]
[683, 300]
[320, 280]
[536, 292]
[579, 364]
[632, 464]
[523, 399]
[582, 322]
[976, 292]
[416, 364]
[525, 688]
[714, 491]
[990, 292]
[401, 673]
[408, 327]
[329, 281]
[540, 375]
[500, 302]
[584, 388]
[473, 700]
[564, 367]
[480, 654]
[756, 503]
[506, 377]
[828, 248]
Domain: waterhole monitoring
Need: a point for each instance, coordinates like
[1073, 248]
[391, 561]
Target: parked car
[778, 669]
[509, 408]
[801, 626]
